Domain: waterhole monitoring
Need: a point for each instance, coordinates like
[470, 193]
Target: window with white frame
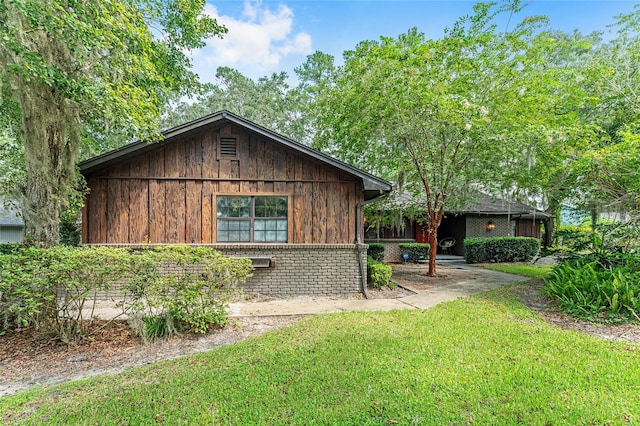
[244, 219]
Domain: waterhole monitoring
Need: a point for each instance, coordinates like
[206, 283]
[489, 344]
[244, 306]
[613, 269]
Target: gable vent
[228, 147]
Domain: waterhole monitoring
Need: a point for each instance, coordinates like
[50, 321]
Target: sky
[271, 36]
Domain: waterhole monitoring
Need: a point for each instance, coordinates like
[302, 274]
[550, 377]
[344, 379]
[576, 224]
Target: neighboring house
[486, 216]
[227, 182]
[11, 225]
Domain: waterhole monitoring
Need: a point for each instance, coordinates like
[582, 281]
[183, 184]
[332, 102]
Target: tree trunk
[594, 218]
[435, 218]
[41, 209]
[433, 251]
[550, 224]
[49, 129]
[51, 146]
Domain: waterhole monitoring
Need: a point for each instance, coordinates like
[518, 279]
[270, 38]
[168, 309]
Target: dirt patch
[415, 277]
[26, 360]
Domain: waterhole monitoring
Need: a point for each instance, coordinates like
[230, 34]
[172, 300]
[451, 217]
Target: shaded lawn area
[483, 360]
[532, 271]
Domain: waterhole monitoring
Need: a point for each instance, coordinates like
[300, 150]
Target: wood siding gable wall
[168, 194]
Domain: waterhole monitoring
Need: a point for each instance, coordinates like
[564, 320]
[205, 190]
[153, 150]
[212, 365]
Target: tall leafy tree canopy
[607, 175]
[74, 72]
[447, 113]
[268, 101]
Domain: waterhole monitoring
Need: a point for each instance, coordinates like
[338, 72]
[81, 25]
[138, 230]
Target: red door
[421, 233]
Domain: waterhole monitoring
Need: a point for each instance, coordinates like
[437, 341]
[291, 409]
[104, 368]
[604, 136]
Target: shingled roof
[486, 204]
[9, 216]
[481, 204]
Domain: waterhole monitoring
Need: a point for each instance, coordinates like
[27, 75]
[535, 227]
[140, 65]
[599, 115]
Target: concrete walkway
[423, 300]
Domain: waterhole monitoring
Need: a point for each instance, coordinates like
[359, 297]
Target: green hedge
[378, 273]
[7, 248]
[416, 251]
[376, 251]
[501, 249]
[49, 288]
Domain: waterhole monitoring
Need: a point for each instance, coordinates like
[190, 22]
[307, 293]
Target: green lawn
[483, 360]
[525, 270]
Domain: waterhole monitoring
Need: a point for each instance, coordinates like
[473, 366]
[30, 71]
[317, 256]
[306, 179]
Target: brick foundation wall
[301, 269]
[298, 269]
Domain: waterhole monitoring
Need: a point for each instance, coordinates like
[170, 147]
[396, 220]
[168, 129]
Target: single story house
[11, 224]
[483, 216]
[244, 190]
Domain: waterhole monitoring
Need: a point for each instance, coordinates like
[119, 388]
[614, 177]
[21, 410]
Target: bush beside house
[52, 289]
[504, 249]
[376, 251]
[378, 273]
[416, 251]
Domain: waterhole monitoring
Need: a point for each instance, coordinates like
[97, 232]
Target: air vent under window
[228, 147]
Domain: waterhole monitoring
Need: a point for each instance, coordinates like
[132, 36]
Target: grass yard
[482, 360]
[532, 271]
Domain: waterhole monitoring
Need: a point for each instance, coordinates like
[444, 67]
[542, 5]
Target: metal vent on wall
[228, 147]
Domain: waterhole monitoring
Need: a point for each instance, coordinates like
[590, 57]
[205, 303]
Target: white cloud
[256, 44]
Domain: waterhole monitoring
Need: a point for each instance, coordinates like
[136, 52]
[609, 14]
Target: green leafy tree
[75, 71]
[609, 173]
[269, 101]
[447, 114]
[539, 164]
[315, 77]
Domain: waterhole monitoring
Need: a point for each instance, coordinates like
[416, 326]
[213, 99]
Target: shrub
[49, 288]
[573, 237]
[588, 287]
[8, 248]
[192, 296]
[501, 249]
[416, 251]
[604, 282]
[376, 251]
[378, 273]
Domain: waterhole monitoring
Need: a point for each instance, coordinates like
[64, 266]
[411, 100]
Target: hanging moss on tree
[73, 73]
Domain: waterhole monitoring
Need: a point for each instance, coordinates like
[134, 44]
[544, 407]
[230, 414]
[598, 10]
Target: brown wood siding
[528, 228]
[168, 195]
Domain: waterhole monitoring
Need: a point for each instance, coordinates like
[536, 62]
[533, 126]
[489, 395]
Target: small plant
[159, 327]
[378, 273]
